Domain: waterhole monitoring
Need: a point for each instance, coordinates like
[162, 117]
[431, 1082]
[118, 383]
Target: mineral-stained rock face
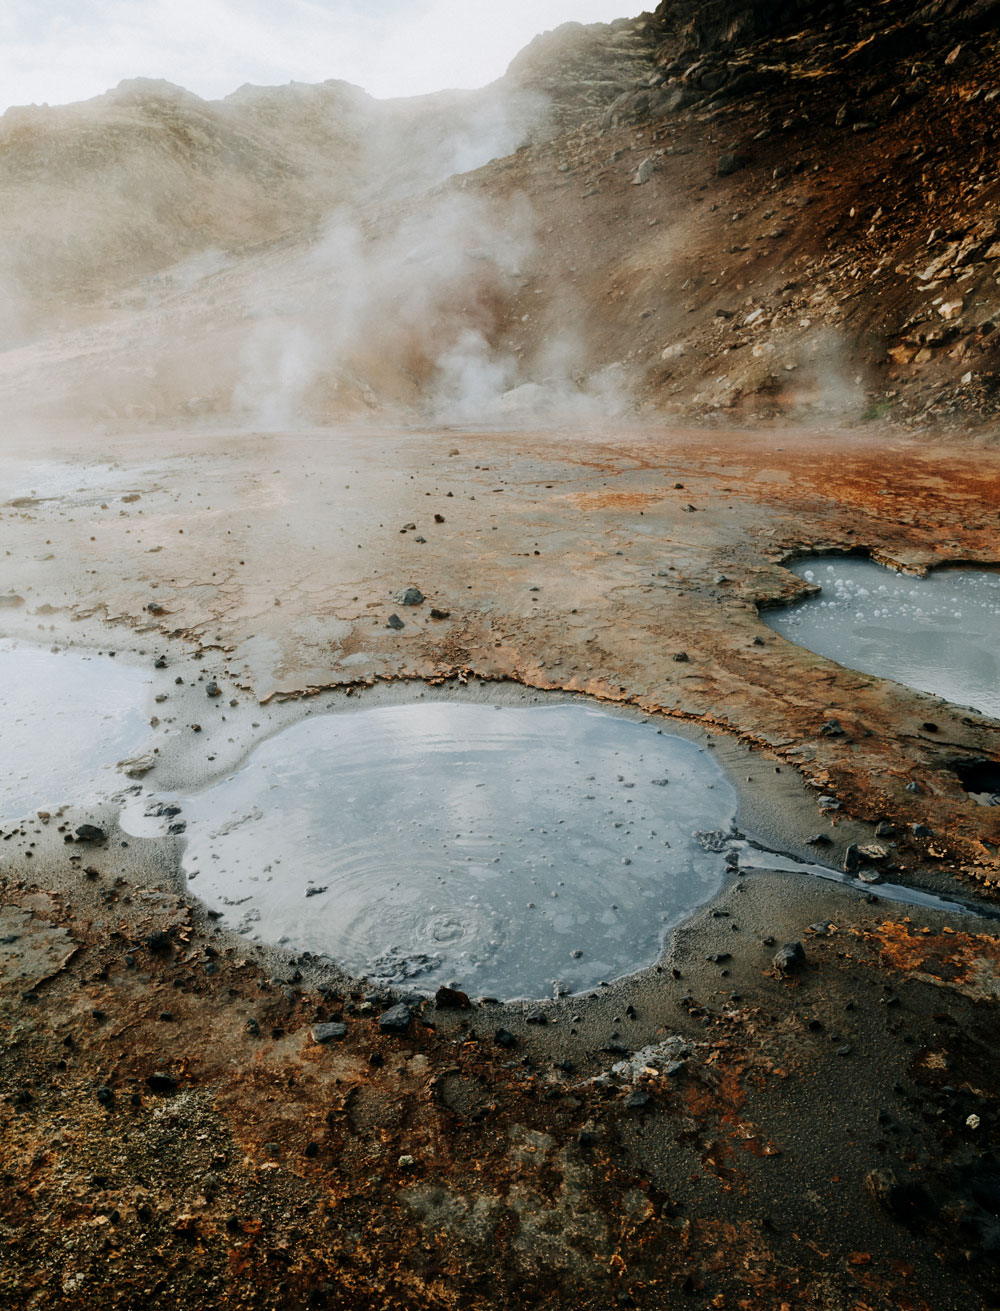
[709, 210]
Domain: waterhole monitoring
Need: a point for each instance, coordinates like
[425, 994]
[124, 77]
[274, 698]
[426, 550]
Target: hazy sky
[61, 50]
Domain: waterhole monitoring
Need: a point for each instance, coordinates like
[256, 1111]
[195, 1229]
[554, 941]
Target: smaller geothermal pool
[939, 633]
[66, 718]
[511, 851]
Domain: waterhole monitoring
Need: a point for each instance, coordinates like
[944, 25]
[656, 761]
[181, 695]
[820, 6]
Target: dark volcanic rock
[731, 162]
[451, 999]
[790, 957]
[328, 1032]
[396, 1019]
[161, 1082]
[504, 1038]
[91, 833]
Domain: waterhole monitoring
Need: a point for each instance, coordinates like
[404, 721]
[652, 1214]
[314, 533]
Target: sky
[57, 51]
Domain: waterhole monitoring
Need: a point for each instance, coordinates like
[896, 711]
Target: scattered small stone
[845, 1050]
[832, 728]
[253, 1028]
[91, 833]
[315, 891]
[437, 613]
[160, 664]
[681, 657]
[883, 829]
[789, 958]
[922, 831]
[874, 851]
[439, 518]
[637, 1100]
[504, 1038]
[537, 1017]
[852, 860]
[644, 172]
[159, 942]
[328, 1032]
[731, 162]
[213, 689]
[162, 1083]
[914, 788]
[105, 1096]
[406, 1161]
[451, 999]
[395, 622]
[820, 840]
[396, 1019]
[412, 596]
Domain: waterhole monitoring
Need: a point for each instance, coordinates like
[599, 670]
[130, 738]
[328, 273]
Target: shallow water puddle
[513, 851]
[939, 634]
[66, 719]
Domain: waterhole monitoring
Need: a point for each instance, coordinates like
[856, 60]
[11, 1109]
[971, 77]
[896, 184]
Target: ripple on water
[939, 634]
[506, 849]
[66, 718]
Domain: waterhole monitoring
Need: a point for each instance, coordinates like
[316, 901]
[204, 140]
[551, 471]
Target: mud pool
[510, 851]
[67, 718]
[938, 634]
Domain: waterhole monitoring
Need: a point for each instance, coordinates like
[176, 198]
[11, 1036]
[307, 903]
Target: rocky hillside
[711, 211]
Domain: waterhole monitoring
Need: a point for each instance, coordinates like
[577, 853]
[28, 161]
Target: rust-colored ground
[813, 1148]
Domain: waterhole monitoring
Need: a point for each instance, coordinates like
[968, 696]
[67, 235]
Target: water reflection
[515, 851]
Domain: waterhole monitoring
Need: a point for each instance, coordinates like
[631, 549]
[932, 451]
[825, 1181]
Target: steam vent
[499, 713]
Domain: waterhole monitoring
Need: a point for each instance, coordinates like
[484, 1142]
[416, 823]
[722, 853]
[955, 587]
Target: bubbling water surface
[939, 634]
[513, 851]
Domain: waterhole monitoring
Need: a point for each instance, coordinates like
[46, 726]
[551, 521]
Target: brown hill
[715, 210]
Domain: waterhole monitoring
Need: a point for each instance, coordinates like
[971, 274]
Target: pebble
[790, 957]
[91, 833]
[328, 1032]
[395, 622]
[396, 1019]
[161, 1082]
[451, 999]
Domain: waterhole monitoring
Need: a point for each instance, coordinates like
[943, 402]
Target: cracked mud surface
[804, 1139]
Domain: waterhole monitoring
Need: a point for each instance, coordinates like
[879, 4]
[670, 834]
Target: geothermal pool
[511, 851]
[939, 634]
[66, 719]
